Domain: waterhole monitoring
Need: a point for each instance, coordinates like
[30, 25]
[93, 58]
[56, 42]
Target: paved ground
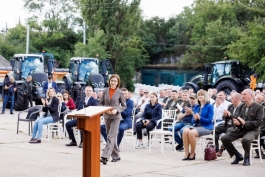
[21, 159]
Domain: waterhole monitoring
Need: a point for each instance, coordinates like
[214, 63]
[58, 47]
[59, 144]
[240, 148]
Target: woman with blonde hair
[62, 105]
[50, 107]
[202, 124]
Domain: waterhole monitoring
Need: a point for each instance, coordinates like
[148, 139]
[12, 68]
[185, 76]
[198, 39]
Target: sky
[12, 10]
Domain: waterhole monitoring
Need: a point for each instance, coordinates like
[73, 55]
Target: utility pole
[27, 44]
[84, 35]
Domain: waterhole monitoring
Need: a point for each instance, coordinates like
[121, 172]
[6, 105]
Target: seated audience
[202, 119]
[185, 118]
[138, 98]
[100, 93]
[167, 97]
[69, 102]
[162, 96]
[50, 107]
[62, 106]
[220, 105]
[174, 100]
[85, 102]
[140, 107]
[234, 110]
[152, 113]
[247, 127]
[94, 95]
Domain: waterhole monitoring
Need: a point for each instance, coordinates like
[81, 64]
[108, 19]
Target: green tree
[250, 48]
[119, 20]
[155, 34]
[133, 57]
[14, 41]
[96, 45]
[55, 33]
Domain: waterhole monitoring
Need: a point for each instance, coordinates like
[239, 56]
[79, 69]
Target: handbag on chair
[210, 152]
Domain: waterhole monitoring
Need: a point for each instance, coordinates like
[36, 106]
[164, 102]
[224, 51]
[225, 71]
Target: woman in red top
[69, 102]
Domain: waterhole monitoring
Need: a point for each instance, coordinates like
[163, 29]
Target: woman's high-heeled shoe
[193, 158]
[104, 160]
[187, 157]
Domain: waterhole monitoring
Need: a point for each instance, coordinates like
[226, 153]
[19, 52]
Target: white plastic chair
[203, 140]
[56, 127]
[128, 134]
[67, 120]
[161, 133]
[255, 145]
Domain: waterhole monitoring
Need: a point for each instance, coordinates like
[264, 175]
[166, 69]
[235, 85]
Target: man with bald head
[259, 99]
[247, 125]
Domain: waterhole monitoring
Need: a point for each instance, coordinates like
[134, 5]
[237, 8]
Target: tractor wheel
[67, 86]
[227, 86]
[61, 87]
[38, 102]
[77, 94]
[187, 87]
[19, 100]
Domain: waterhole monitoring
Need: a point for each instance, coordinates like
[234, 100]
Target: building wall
[154, 77]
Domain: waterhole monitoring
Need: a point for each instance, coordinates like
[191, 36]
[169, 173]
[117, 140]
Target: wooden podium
[88, 120]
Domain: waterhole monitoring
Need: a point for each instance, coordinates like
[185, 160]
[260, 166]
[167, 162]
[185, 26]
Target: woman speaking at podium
[113, 97]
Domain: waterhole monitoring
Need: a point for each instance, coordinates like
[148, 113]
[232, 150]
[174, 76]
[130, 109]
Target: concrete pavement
[21, 159]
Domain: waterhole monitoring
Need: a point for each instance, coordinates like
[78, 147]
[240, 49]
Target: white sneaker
[147, 145]
[139, 146]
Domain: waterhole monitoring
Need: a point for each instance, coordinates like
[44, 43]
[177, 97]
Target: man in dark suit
[247, 127]
[125, 122]
[233, 110]
[50, 83]
[87, 101]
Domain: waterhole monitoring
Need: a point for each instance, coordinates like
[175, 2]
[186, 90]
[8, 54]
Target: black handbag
[210, 152]
[34, 116]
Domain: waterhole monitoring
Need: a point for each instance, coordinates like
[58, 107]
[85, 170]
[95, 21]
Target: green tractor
[223, 75]
[24, 65]
[85, 71]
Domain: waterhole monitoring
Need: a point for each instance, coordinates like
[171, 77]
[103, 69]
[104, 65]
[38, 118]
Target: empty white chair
[159, 134]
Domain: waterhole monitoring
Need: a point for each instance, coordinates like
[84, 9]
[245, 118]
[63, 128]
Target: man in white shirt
[85, 102]
[141, 106]
[219, 107]
[162, 96]
[141, 94]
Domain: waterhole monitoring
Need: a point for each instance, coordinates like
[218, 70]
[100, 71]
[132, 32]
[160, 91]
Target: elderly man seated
[247, 127]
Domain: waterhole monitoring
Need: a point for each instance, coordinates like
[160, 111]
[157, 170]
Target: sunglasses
[146, 92]
[59, 96]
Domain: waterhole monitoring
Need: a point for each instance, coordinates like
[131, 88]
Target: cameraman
[10, 88]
